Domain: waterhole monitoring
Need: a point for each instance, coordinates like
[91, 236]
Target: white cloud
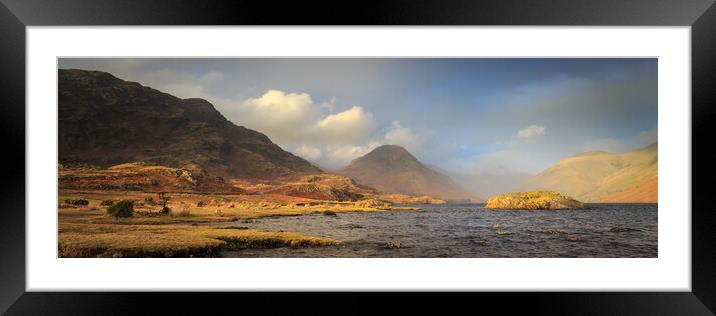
[330, 105]
[294, 118]
[340, 155]
[308, 152]
[531, 132]
[403, 136]
[351, 126]
[311, 129]
[283, 116]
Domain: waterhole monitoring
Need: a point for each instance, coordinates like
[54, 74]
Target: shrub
[149, 200]
[106, 203]
[124, 208]
[77, 202]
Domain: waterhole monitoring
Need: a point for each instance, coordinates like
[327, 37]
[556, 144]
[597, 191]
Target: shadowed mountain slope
[105, 121]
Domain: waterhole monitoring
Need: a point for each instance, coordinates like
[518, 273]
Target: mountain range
[105, 121]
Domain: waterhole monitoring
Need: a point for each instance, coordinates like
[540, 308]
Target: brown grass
[103, 240]
[217, 207]
[645, 192]
[88, 231]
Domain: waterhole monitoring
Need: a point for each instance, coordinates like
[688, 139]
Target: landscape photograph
[357, 157]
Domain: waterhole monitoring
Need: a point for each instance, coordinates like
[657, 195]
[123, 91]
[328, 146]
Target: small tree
[164, 198]
[124, 208]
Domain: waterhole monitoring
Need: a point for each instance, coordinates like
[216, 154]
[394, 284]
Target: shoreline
[88, 231]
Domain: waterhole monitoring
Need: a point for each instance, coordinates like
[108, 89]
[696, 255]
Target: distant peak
[391, 148]
[394, 151]
[387, 155]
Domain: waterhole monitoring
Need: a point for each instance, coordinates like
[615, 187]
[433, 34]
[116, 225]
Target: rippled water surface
[606, 230]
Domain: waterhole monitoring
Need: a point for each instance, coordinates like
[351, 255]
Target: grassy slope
[595, 175]
[646, 192]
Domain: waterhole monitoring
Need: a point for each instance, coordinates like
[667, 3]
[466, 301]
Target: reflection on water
[606, 230]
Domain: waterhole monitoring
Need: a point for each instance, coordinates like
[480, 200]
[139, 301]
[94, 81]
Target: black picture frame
[16, 15]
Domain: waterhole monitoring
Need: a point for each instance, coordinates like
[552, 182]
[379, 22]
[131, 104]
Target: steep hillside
[106, 121]
[645, 192]
[392, 169]
[594, 176]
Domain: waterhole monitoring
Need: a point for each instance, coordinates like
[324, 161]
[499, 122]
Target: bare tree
[164, 198]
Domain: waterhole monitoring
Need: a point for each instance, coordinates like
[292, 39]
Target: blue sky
[464, 116]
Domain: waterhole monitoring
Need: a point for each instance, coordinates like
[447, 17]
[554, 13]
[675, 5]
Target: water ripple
[608, 230]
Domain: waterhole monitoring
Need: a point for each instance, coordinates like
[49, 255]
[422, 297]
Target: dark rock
[352, 226]
[622, 229]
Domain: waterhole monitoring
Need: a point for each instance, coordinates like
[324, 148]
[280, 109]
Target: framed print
[493, 147]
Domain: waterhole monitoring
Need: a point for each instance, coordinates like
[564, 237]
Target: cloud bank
[317, 131]
[531, 132]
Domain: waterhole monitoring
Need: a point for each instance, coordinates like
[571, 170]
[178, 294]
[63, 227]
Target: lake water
[605, 230]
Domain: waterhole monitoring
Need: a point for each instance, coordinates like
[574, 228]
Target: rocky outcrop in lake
[534, 200]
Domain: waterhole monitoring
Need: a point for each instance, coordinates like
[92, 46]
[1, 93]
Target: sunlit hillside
[595, 176]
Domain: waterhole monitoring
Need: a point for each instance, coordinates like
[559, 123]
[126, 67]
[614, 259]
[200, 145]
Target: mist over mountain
[391, 168]
[602, 176]
[492, 183]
